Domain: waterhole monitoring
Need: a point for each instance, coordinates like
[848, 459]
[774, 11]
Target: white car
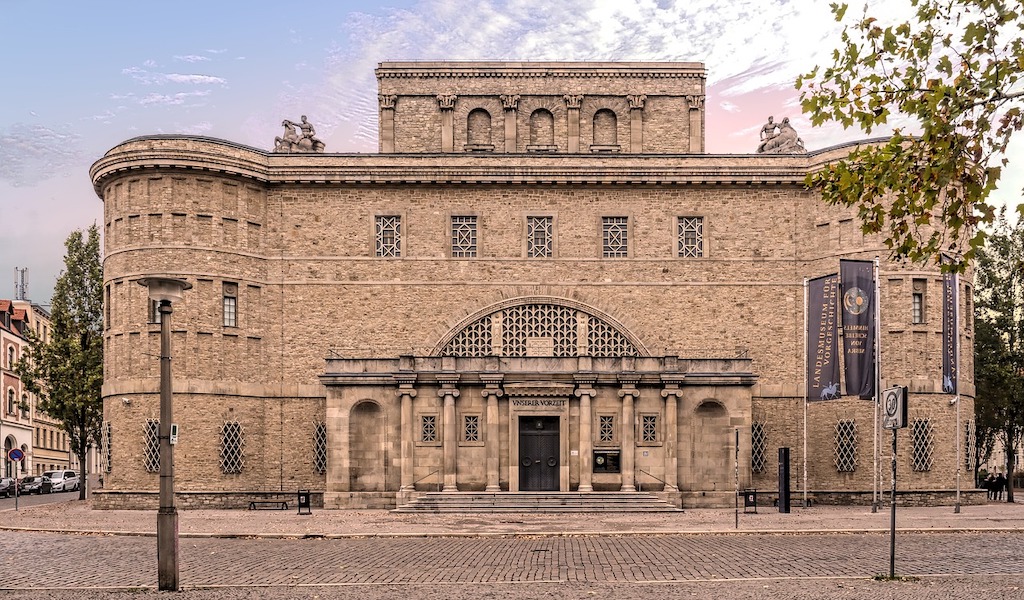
[63, 481]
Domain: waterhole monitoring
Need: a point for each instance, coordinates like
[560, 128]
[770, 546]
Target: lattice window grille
[615, 232]
[606, 428]
[603, 340]
[471, 431]
[389, 236]
[846, 446]
[232, 448]
[649, 428]
[691, 237]
[539, 321]
[151, 452]
[539, 237]
[474, 340]
[922, 441]
[463, 237]
[969, 445]
[758, 447]
[428, 428]
[320, 447]
[108, 434]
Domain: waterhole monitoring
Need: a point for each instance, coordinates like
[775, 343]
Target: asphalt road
[37, 499]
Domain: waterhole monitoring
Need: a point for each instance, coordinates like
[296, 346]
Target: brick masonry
[296, 233]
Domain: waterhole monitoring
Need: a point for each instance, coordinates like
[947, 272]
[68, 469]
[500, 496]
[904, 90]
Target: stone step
[442, 502]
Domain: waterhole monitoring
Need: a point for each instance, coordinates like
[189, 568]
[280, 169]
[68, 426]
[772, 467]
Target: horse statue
[830, 391]
[292, 141]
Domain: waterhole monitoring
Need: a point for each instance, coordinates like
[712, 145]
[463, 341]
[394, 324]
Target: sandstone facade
[566, 275]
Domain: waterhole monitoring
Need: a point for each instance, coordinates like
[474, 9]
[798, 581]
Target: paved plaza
[68, 550]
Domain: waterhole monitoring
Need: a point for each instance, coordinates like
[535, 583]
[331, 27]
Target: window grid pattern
[538, 237]
[917, 308]
[389, 236]
[922, 441]
[970, 446]
[539, 320]
[463, 237]
[320, 447]
[649, 428]
[232, 448]
[846, 446]
[428, 428]
[606, 428]
[108, 434]
[615, 240]
[603, 340]
[758, 447]
[151, 450]
[474, 340]
[230, 311]
[471, 429]
[691, 237]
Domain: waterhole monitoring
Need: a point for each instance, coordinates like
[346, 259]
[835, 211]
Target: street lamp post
[164, 291]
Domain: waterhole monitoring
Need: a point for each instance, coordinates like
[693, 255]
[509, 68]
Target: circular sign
[16, 454]
[891, 399]
[855, 301]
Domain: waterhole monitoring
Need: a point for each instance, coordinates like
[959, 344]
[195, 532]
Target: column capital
[696, 101]
[629, 391]
[404, 391]
[387, 101]
[489, 391]
[585, 391]
[636, 101]
[446, 101]
[672, 391]
[445, 392]
[510, 101]
[573, 100]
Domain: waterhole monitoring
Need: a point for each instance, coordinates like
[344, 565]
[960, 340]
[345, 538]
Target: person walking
[989, 483]
[1000, 486]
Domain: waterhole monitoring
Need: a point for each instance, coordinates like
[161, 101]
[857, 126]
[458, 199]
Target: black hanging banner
[950, 333]
[858, 285]
[822, 358]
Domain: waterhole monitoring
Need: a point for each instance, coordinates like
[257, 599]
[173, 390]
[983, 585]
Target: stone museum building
[540, 283]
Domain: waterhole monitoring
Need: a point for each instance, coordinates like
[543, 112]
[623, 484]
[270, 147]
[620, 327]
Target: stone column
[628, 433]
[585, 392]
[493, 439]
[636, 122]
[387, 122]
[572, 109]
[406, 393]
[696, 103]
[446, 102]
[671, 394]
[451, 431]
[511, 105]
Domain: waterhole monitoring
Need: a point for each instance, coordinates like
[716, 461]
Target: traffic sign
[894, 406]
[16, 454]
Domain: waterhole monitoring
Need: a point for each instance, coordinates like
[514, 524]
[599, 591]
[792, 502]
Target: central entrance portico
[538, 454]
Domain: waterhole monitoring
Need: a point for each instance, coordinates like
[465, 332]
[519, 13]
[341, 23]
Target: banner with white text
[822, 358]
[858, 288]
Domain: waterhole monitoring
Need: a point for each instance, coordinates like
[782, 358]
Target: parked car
[63, 481]
[36, 484]
[6, 487]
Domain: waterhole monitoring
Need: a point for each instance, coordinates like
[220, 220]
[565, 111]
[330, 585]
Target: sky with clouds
[80, 77]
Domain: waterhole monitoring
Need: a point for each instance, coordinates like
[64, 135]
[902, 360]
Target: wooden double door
[538, 453]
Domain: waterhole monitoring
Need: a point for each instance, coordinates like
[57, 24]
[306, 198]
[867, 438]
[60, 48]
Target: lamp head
[165, 288]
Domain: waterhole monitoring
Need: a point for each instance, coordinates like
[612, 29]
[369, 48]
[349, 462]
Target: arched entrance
[367, 444]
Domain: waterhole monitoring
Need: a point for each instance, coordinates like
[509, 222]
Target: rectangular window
[917, 301]
[922, 440]
[154, 312]
[539, 237]
[758, 447]
[230, 304]
[106, 307]
[428, 428]
[389, 236]
[471, 428]
[606, 428]
[615, 237]
[151, 441]
[846, 446]
[320, 447]
[464, 237]
[108, 435]
[232, 445]
[691, 237]
[649, 429]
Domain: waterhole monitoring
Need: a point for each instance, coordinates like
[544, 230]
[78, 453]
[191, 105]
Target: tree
[66, 372]
[954, 73]
[999, 341]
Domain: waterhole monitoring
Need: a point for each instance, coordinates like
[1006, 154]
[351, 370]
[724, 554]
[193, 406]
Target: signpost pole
[892, 517]
[16, 455]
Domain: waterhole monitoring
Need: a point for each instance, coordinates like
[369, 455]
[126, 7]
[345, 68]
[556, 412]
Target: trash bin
[304, 503]
[749, 500]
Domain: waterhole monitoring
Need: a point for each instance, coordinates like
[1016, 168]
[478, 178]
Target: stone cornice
[462, 70]
[189, 153]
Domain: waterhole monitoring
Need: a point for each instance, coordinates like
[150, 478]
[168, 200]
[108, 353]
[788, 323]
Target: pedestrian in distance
[1000, 486]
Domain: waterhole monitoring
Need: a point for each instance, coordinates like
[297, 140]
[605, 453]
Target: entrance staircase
[544, 502]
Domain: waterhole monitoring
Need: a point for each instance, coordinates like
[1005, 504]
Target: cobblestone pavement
[50, 560]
